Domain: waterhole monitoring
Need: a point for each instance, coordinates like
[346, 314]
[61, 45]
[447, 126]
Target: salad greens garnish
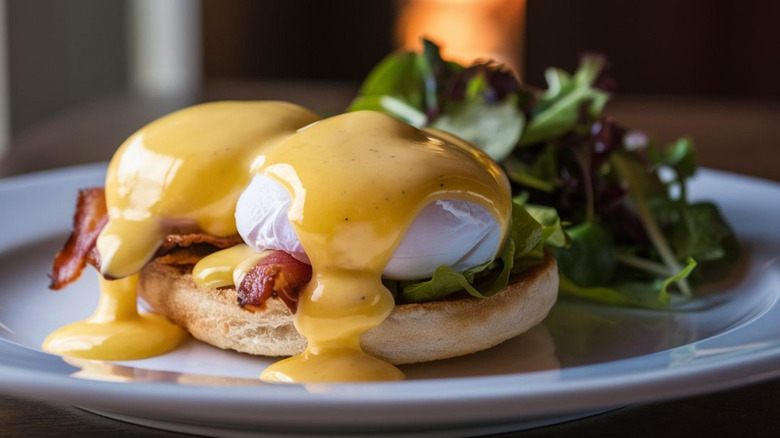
[631, 236]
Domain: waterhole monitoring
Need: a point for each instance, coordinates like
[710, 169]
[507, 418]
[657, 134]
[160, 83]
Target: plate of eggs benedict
[254, 261]
[306, 217]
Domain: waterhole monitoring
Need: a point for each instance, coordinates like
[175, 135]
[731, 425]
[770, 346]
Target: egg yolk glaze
[357, 182]
[181, 173]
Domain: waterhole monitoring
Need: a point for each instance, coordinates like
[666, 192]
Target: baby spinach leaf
[712, 242]
[590, 260]
[526, 232]
[390, 105]
[552, 229]
[400, 76]
[495, 128]
[446, 281]
[407, 85]
[541, 174]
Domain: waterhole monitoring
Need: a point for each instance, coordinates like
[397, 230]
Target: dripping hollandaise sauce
[116, 331]
[352, 203]
[357, 182]
[184, 171]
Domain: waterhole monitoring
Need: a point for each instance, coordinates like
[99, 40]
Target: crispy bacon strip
[277, 274]
[89, 219]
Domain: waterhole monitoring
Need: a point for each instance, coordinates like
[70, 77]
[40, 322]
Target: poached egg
[452, 232]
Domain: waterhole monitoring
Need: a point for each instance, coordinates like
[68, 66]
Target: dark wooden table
[737, 136]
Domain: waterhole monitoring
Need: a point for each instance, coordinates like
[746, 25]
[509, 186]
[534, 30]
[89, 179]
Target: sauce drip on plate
[116, 331]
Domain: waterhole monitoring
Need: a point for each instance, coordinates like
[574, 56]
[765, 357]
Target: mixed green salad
[608, 202]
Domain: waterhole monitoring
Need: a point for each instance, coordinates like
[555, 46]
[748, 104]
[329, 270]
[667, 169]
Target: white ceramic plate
[583, 359]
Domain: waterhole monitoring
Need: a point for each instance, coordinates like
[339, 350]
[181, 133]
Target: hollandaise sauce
[227, 267]
[357, 182]
[116, 331]
[183, 172]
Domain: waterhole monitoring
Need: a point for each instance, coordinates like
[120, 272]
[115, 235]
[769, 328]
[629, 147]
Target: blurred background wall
[692, 47]
[61, 54]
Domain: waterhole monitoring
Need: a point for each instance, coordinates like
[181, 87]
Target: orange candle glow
[466, 30]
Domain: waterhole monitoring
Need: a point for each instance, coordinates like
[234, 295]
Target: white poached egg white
[456, 233]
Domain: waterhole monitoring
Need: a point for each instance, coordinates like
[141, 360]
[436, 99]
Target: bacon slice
[278, 274]
[89, 219]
